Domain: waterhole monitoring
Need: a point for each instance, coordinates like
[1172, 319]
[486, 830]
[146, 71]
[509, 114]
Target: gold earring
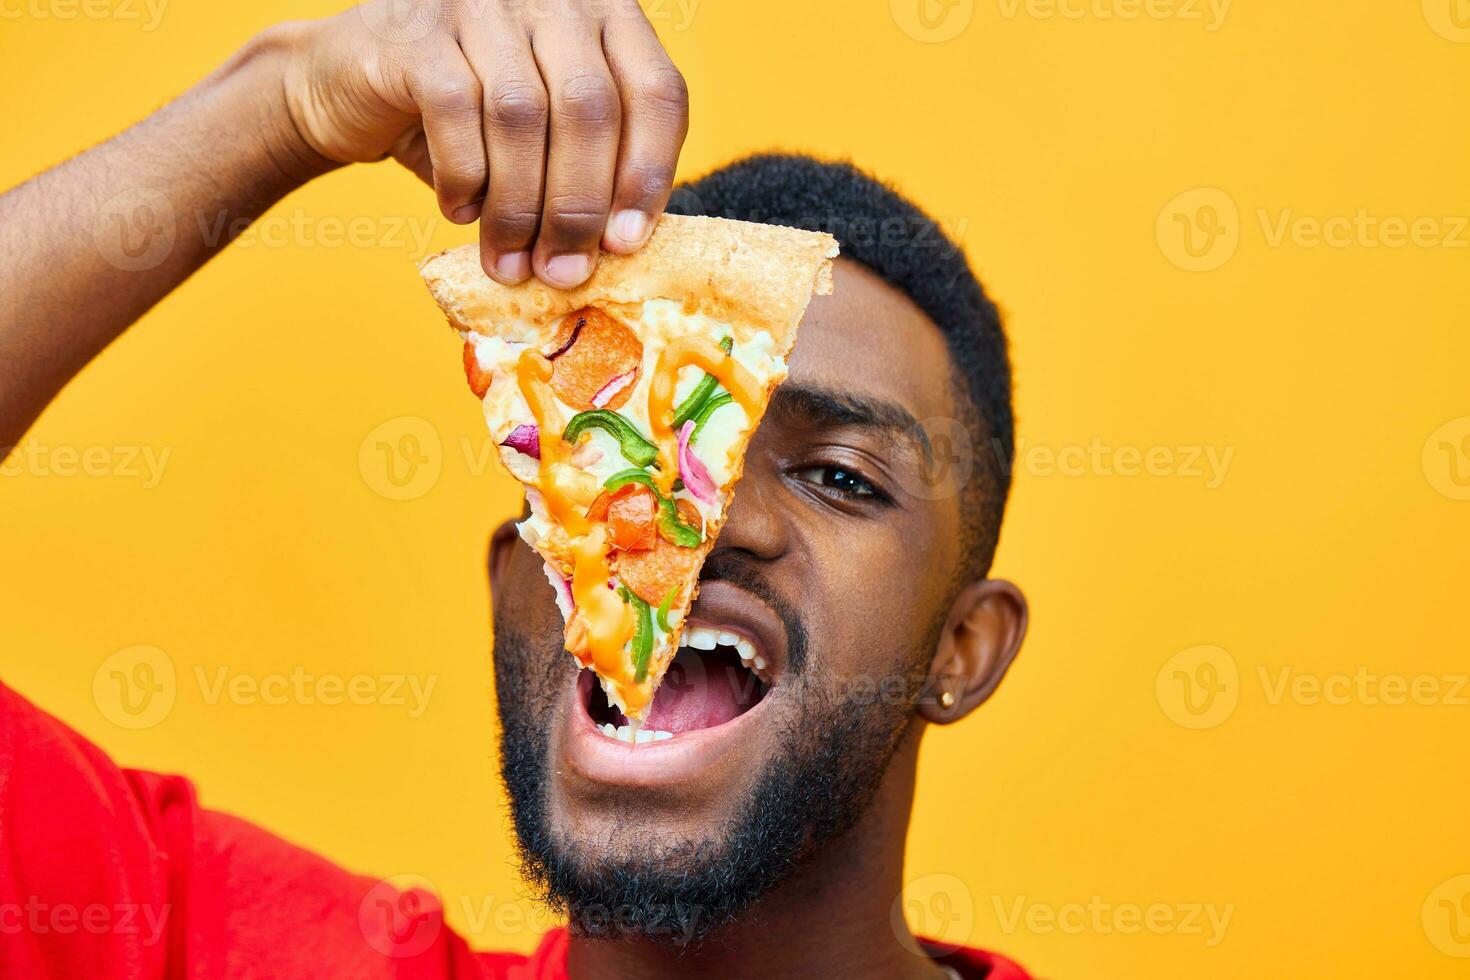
[946, 700]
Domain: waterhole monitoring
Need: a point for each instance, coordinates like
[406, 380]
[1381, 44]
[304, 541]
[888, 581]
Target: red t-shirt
[109, 873]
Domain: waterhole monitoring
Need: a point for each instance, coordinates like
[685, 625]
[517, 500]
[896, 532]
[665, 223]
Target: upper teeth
[707, 638]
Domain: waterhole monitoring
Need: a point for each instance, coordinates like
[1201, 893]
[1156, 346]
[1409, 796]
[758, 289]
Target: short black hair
[890, 235]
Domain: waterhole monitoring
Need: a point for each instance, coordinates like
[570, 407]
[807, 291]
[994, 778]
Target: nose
[754, 523]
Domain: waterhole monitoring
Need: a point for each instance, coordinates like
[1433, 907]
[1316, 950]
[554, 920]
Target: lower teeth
[624, 733]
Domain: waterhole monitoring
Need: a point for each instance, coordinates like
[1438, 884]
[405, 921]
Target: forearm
[89, 246]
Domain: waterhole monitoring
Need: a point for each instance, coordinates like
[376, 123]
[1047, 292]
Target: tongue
[701, 690]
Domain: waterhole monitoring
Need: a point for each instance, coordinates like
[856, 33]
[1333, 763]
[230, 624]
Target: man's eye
[839, 479]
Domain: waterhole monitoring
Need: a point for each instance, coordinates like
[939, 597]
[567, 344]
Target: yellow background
[1054, 145]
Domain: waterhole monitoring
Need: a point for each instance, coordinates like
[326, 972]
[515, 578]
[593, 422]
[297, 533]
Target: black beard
[833, 757]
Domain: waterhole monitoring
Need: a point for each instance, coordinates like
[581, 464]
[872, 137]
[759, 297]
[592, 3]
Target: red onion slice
[610, 390]
[576, 332]
[696, 478]
[525, 439]
[563, 587]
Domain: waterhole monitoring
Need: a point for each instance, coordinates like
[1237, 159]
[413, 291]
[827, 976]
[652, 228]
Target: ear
[502, 545]
[981, 637]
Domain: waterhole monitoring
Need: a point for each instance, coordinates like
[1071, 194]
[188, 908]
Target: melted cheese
[680, 347]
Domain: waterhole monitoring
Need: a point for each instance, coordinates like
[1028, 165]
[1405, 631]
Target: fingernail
[464, 214]
[513, 267]
[630, 226]
[567, 270]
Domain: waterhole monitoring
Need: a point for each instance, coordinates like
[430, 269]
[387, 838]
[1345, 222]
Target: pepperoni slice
[604, 349]
[689, 514]
[651, 574]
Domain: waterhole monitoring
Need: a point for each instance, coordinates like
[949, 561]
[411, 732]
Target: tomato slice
[630, 518]
[631, 515]
[598, 510]
[478, 378]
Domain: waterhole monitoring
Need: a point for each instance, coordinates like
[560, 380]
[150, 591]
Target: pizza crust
[748, 276]
[763, 275]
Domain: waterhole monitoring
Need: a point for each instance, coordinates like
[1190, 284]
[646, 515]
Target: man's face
[838, 567]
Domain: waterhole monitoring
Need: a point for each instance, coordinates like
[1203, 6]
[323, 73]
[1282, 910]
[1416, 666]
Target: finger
[582, 152]
[447, 93]
[515, 119]
[412, 151]
[655, 122]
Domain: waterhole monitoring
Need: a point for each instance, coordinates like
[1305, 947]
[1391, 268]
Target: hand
[558, 125]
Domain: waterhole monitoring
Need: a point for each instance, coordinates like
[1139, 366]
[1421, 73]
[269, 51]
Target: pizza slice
[625, 407]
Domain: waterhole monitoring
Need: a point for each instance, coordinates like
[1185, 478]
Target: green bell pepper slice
[719, 401]
[663, 610]
[642, 634]
[638, 450]
[691, 405]
[623, 478]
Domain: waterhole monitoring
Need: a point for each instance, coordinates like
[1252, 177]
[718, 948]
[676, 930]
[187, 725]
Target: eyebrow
[833, 408]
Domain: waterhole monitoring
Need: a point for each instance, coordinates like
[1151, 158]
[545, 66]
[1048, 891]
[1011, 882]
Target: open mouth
[717, 676]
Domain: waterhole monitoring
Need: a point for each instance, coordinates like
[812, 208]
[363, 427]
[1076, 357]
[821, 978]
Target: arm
[87, 248]
[578, 117]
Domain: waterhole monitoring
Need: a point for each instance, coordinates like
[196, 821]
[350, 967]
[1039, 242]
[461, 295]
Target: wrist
[263, 67]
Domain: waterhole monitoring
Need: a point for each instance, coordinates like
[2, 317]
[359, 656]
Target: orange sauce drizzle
[701, 352]
[607, 623]
[533, 374]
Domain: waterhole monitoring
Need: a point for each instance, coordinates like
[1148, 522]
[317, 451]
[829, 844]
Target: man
[773, 846]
